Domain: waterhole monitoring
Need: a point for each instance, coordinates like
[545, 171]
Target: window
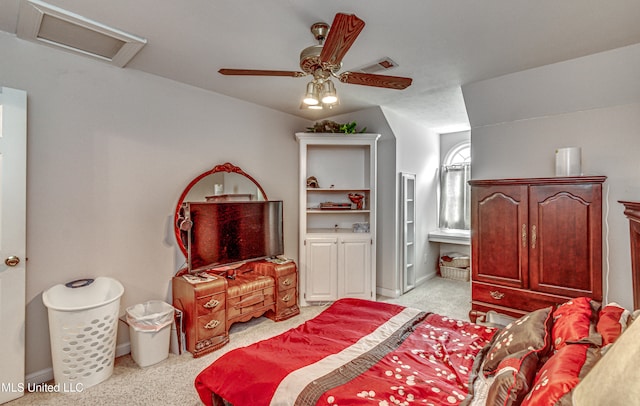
[455, 192]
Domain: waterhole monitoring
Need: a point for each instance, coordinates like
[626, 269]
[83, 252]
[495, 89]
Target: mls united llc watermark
[42, 387]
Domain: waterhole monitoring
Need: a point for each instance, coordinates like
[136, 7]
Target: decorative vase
[358, 199]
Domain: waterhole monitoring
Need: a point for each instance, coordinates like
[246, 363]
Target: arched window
[455, 193]
[459, 154]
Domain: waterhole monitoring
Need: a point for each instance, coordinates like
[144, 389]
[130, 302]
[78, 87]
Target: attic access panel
[43, 23]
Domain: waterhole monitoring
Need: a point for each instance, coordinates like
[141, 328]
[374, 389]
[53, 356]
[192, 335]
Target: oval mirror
[225, 182]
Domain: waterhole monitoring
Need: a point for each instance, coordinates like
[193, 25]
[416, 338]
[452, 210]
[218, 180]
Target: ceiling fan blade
[343, 33]
[258, 72]
[370, 79]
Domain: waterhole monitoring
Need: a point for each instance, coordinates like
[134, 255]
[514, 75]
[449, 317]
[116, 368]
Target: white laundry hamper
[83, 325]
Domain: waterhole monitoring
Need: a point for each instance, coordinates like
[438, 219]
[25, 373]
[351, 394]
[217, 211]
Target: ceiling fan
[324, 61]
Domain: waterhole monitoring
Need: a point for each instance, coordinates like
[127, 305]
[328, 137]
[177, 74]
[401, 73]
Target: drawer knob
[286, 298]
[212, 324]
[496, 294]
[211, 304]
[286, 282]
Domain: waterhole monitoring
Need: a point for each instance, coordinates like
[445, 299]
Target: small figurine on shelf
[358, 199]
[312, 182]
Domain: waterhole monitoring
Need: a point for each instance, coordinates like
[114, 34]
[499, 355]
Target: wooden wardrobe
[535, 242]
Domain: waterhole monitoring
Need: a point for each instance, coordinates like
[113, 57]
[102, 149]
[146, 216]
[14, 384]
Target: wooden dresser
[534, 242]
[210, 308]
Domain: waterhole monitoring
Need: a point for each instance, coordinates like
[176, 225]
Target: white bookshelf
[337, 258]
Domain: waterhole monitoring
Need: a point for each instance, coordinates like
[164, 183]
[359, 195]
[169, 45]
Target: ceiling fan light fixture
[329, 106]
[329, 95]
[324, 61]
[311, 96]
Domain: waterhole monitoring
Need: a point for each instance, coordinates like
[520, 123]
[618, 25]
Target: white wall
[109, 152]
[593, 102]
[418, 152]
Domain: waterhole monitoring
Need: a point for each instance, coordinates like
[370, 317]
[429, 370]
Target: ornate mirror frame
[225, 168]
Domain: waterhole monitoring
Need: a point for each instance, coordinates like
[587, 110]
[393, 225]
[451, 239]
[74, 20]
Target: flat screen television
[226, 233]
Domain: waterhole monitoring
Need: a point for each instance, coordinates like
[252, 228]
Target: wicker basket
[450, 272]
[457, 262]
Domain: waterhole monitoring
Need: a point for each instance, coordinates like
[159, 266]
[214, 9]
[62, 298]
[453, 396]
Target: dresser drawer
[275, 270]
[287, 298]
[250, 302]
[209, 304]
[211, 325]
[287, 282]
[521, 299]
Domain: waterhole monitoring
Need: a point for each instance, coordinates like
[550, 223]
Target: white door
[354, 267]
[321, 269]
[13, 171]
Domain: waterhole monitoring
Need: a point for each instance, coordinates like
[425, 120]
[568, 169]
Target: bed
[379, 348]
[360, 352]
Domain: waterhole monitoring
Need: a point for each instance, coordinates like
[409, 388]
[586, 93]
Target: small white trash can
[83, 325]
[150, 331]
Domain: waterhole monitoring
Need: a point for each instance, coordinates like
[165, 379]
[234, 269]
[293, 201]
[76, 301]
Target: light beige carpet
[170, 382]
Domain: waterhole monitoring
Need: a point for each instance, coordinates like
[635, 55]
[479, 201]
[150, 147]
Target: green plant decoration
[328, 126]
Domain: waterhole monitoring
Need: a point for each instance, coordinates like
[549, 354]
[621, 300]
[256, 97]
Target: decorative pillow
[575, 322]
[612, 322]
[513, 378]
[531, 332]
[558, 377]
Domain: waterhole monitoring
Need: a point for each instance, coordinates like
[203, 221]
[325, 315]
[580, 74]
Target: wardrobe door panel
[565, 251]
[499, 238]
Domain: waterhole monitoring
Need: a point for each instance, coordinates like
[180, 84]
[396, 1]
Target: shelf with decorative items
[327, 200]
[337, 216]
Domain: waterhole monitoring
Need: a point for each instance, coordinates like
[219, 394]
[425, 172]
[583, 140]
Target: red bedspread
[356, 352]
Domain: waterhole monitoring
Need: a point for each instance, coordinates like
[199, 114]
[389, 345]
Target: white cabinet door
[321, 269]
[354, 267]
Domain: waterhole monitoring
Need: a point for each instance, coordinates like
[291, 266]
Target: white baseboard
[123, 349]
[397, 293]
[46, 375]
[387, 292]
[42, 376]
[425, 278]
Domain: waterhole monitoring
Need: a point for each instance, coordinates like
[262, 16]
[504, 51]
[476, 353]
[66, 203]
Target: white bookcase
[337, 238]
[408, 231]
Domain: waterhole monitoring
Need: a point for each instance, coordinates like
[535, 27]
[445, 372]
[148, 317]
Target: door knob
[12, 261]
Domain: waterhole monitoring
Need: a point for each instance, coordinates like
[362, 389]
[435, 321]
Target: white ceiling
[441, 44]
